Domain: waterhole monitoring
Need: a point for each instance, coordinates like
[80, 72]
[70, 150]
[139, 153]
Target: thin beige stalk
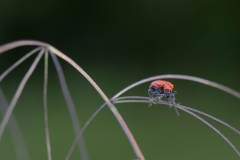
[170, 76]
[45, 85]
[71, 108]
[218, 132]
[185, 77]
[18, 93]
[18, 141]
[111, 106]
[140, 99]
[186, 109]
[15, 44]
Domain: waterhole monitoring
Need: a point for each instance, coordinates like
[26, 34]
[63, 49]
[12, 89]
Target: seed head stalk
[110, 105]
[53, 50]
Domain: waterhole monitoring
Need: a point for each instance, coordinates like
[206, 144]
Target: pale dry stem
[71, 107]
[15, 131]
[186, 109]
[111, 106]
[169, 76]
[128, 133]
[45, 85]
[18, 93]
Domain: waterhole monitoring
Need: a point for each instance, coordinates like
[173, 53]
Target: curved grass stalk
[129, 99]
[48, 144]
[6, 72]
[114, 110]
[18, 93]
[141, 99]
[110, 105]
[132, 97]
[79, 135]
[209, 125]
[186, 109]
[214, 118]
[15, 44]
[184, 77]
[15, 131]
[170, 76]
[71, 107]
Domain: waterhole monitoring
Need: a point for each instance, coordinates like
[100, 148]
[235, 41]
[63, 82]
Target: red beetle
[162, 88]
[162, 84]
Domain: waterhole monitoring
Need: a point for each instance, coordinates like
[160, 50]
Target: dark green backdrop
[118, 43]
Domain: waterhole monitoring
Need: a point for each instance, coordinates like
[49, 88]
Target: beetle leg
[175, 109]
[156, 100]
[171, 99]
[150, 98]
[174, 105]
[174, 92]
[150, 104]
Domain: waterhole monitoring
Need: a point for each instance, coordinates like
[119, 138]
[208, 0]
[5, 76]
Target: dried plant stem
[209, 125]
[214, 118]
[16, 135]
[186, 109]
[71, 107]
[170, 76]
[15, 131]
[111, 106]
[185, 77]
[128, 133]
[128, 99]
[15, 44]
[18, 93]
[45, 85]
[141, 99]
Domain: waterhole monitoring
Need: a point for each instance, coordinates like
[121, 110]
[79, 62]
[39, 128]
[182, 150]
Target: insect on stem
[162, 88]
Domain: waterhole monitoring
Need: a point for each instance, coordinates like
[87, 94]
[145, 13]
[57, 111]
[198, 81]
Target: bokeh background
[118, 43]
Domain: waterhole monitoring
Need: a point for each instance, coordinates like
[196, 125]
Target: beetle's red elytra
[162, 84]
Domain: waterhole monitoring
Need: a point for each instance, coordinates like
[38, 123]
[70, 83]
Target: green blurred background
[118, 43]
